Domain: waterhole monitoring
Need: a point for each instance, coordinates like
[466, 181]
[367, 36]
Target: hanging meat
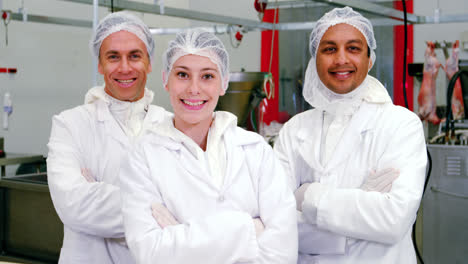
[427, 94]
[451, 67]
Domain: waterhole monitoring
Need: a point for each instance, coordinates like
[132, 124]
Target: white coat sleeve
[312, 239]
[226, 236]
[277, 209]
[382, 217]
[91, 208]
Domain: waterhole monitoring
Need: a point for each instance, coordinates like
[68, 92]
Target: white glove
[380, 181]
[299, 193]
[162, 215]
[87, 174]
[259, 226]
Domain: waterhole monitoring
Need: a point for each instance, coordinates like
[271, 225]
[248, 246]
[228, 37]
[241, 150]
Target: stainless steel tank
[445, 203]
[244, 93]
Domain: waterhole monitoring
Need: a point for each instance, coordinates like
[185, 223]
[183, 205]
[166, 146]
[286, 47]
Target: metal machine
[444, 206]
[244, 94]
[445, 215]
[30, 229]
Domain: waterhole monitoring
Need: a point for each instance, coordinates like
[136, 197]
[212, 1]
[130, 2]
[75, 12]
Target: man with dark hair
[356, 161]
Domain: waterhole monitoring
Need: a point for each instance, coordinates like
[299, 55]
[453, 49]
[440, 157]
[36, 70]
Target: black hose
[418, 254]
[413, 233]
[429, 170]
[404, 54]
[449, 115]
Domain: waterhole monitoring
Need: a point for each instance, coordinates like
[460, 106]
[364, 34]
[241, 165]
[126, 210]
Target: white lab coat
[216, 222]
[89, 137]
[354, 226]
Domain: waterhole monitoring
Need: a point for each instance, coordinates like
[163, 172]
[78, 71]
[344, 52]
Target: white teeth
[193, 103]
[342, 73]
[125, 81]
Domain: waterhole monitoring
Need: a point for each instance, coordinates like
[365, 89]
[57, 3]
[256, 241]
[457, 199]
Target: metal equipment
[30, 229]
[445, 217]
[244, 93]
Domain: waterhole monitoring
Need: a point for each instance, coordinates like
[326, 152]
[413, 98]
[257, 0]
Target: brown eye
[112, 57]
[208, 76]
[182, 75]
[329, 49]
[135, 56]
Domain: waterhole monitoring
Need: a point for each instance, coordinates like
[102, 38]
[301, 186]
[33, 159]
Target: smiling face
[194, 86]
[342, 58]
[125, 64]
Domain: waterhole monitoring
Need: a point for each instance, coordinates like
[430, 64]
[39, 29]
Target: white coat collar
[234, 139]
[361, 122]
[97, 93]
[224, 124]
[98, 98]
[375, 93]
[370, 90]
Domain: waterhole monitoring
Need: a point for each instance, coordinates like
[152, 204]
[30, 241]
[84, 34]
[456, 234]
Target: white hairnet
[119, 21]
[197, 42]
[345, 15]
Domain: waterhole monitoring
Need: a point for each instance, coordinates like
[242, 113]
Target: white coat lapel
[154, 116]
[310, 141]
[110, 125]
[234, 155]
[192, 164]
[352, 138]
[236, 140]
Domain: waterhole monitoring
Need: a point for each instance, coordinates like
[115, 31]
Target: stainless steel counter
[18, 158]
[30, 230]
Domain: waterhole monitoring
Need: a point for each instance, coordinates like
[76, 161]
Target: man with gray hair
[356, 161]
[88, 143]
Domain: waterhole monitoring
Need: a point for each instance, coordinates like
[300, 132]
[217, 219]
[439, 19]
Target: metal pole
[181, 13]
[95, 23]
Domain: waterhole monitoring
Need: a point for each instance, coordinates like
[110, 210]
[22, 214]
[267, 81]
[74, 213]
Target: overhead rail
[178, 12]
[372, 8]
[293, 4]
[455, 18]
[391, 16]
[51, 20]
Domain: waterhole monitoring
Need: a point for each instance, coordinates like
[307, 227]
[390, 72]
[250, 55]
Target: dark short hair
[368, 51]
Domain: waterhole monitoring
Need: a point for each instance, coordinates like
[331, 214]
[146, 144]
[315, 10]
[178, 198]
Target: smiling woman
[194, 86]
[199, 189]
